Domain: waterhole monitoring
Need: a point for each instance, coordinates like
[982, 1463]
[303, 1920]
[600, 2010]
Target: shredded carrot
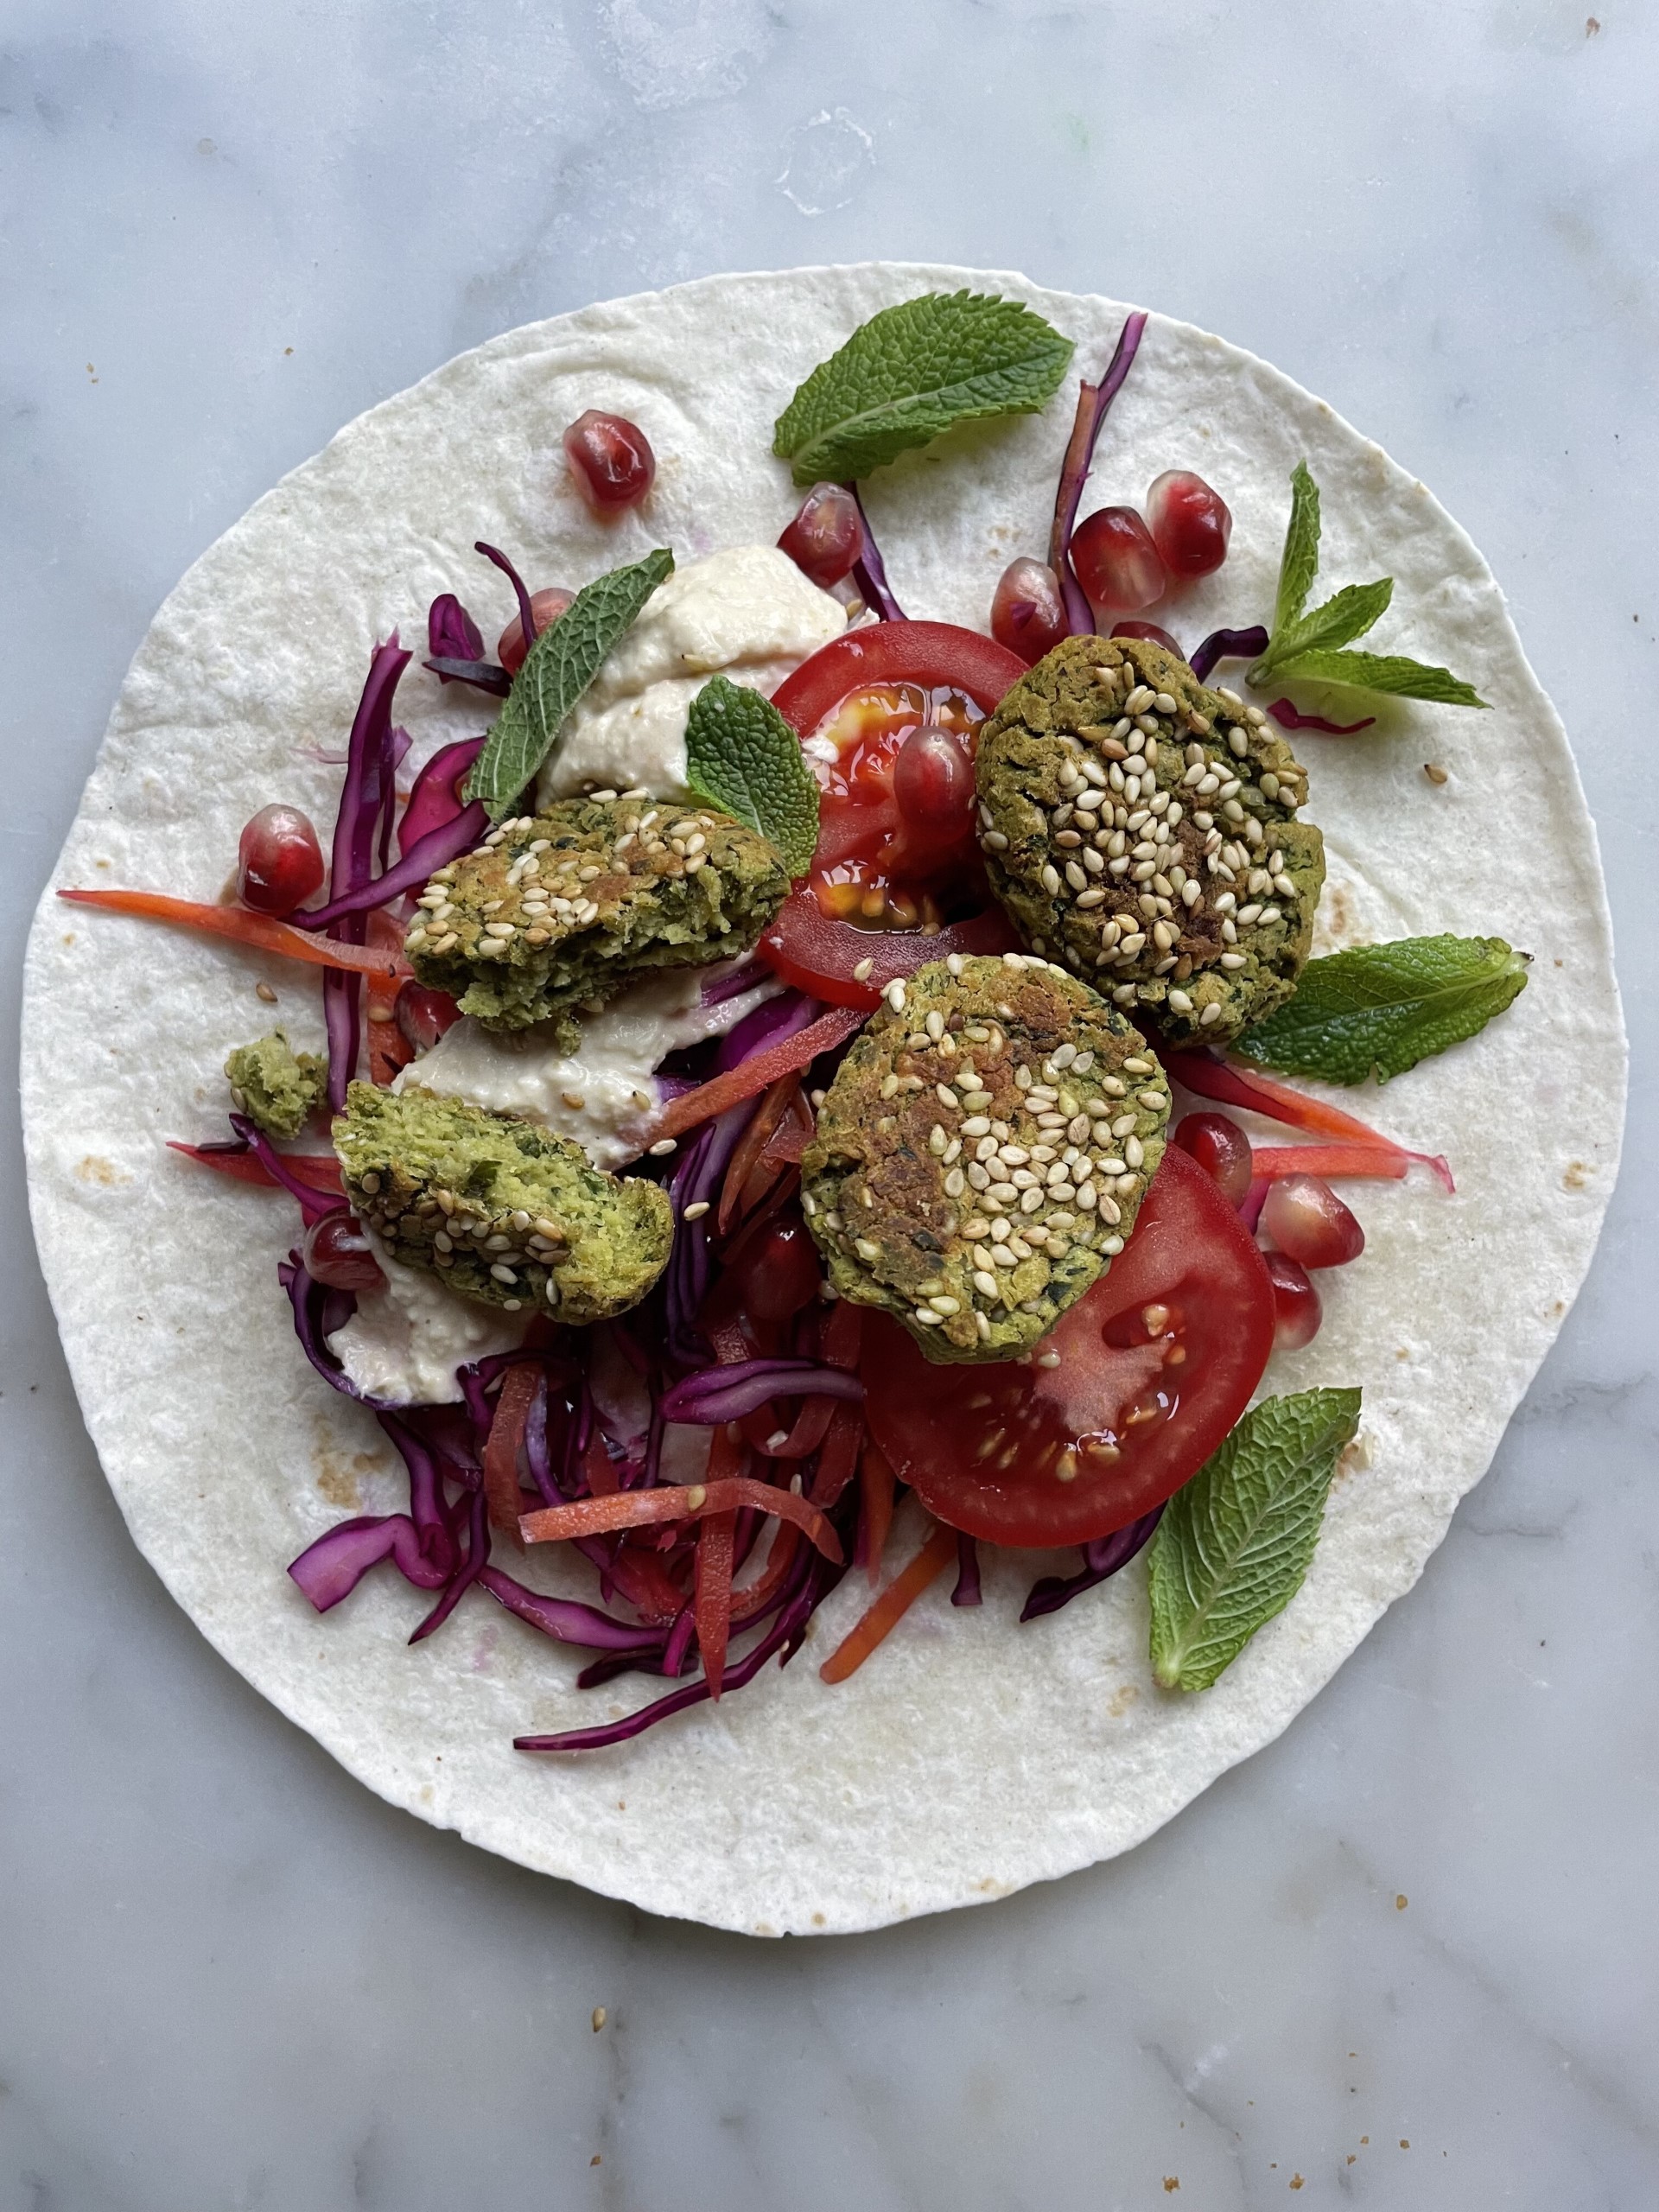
[758, 1073]
[632, 1508]
[713, 1597]
[501, 1447]
[1278, 1102]
[890, 1608]
[842, 1335]
[597, 1465]
[319, 1170]
[750, 1146]
[263, 931]
[1373, 1162]
[647, 1584]
[877, 1486]
[788, 1142]
[389, 1051]
[838, 1455]
[746, 1603]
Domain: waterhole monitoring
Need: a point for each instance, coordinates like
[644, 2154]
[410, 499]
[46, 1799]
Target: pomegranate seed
[1149, 630]
[611, 459]
[1307, 1220]
[1297, 1310]
[826, 535]
[335, 1251]
[933, 784]
[422, 1015]
[1191, 524]
[1116, 562]
[545, 608]
[1221, 1148]
[279, 861]
[1028, 613]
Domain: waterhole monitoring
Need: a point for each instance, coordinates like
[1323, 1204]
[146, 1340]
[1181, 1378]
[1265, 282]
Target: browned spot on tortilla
[1576, 1176]
[1337, 917]
[339, 1480]
[1120, 1701]
[96, 1169]
[69, 936]
[1403, 1353]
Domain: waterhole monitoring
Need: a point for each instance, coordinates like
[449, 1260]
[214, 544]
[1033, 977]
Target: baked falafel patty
[501, 1211]
[559, 910]
[983, 1152]
[1143, 830]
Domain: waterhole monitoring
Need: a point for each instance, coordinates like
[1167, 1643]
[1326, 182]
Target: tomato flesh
[1123, 1402]
[888, 717]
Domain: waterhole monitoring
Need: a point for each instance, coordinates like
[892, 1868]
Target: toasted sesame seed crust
[1143, 830]
[499, 1210]
[974, 1175]
[565, 908]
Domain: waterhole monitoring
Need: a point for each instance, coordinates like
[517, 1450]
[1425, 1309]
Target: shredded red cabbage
[727, 1392]
[1226, 644]
[437, 797]
[435, 850]
[1288, 715]
[1101, 1560]
[451, 633]
[869, 570]
[1093, 401]
[967, 1592]
[526, 614]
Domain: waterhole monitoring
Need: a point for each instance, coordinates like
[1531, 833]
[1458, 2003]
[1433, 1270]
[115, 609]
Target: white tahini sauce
[404, 1343]
[606, 1096]
[748, 614]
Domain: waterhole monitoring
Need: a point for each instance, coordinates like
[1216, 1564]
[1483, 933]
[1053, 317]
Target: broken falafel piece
[499, 1210]
[1144, 831]
[561, 910]
[276, 1087]
[982, 1152]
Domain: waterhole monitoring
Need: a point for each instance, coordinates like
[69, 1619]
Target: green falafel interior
[499, 1210]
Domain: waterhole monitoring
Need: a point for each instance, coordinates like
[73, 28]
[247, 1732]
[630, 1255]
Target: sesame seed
[954, 962]
[894, 994]
[866, 1248]
[1212, 1015]
[942, 1303]
[1433, 771]
[1179, 1003]
[662, 1146]
[946, 1097]
[996, 841]
[1112, 1247]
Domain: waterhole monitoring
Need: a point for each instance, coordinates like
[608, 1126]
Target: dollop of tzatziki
[605, 1096]
[748, 614]
[404, 1343]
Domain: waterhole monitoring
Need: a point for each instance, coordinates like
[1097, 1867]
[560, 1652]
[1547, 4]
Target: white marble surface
[231, 1978]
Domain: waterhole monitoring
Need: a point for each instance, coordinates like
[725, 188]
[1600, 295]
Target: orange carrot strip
[712, 1597]
[501, 1447]
[389, 1051]
[875, 1480]
[632, 1508]
[890, 1606]
[321, 1170]
[746, 1603]
[751, 1145]
[758, 1072]
[1369, 1161]
[263, 931]
[838, 1455]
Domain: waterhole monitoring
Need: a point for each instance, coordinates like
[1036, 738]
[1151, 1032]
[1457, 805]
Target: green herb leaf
[1391, 672]
[913, 371]
[561, 663]
[1301, 556]
[1307, 646]
[743, 757]
[1386, 1006]
[1346, 615]
[1234, 1546]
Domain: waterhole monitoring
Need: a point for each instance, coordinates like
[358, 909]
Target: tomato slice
[905, 673]
[1154, 1366]
[929, 654]
[819, 954]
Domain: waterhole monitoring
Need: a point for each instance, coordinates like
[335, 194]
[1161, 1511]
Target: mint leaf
[1301, 555]
[1234, 1545]
[1347, 614]
[1386, 1006]
[743, 757]
[1307, 646]
[913, 371]
[1391, 672]
[561, 663]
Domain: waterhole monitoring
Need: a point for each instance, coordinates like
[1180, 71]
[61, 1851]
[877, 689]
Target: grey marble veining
[228, 1976]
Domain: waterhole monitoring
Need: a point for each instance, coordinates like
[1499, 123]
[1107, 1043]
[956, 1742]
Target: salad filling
[883, 949]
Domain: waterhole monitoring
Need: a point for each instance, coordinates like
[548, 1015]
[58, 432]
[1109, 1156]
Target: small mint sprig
[909, 374]
[1235, 1545]
[1310, 645]
[744, 758]
[1379, 1008]
[563, 661]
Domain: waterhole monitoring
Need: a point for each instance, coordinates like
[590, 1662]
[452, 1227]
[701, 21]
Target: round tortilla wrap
[972, 1754]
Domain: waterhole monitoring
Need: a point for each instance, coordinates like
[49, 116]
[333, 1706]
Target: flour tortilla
[973, 1756]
